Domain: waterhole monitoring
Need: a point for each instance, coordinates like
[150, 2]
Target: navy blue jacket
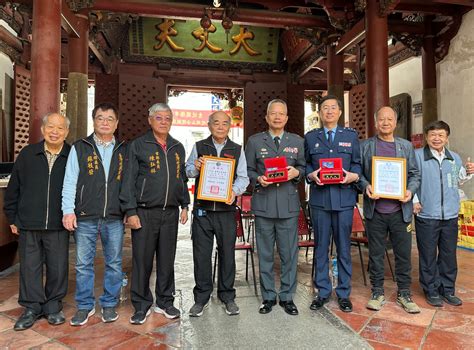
[346, 146]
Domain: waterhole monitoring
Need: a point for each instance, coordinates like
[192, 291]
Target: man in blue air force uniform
[332, 205]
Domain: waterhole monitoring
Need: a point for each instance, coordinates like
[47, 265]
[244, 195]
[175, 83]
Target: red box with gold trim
[331, 171]
[276, 169]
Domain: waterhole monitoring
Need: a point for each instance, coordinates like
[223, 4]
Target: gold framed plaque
[215, 182]
[389, 177]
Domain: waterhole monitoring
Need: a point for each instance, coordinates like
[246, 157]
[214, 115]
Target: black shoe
[344, 304]
[26, 320]
[434, 300]
[139, 317]
[56, 318]
[266, 306]
[451, 299]
[289, 307]
[318, 302]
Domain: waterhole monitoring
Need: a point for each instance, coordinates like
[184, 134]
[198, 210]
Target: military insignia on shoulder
[350, 129]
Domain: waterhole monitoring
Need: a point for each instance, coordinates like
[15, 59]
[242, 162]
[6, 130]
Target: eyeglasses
[109, 120]
[160, 119]
[329, 108]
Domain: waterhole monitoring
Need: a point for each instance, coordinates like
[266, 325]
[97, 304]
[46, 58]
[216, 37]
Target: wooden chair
[359, 237]
[305, 236]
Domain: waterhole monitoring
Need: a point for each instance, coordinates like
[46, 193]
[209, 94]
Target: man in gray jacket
[389, 215]
[276, 205]
[436, 206]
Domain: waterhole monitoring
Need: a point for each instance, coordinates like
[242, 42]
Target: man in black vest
[32, 206]
[215, 218]
[91, 207]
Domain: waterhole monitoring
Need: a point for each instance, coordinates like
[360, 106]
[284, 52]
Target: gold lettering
[203, 36]
[241, 40]
[166, 31]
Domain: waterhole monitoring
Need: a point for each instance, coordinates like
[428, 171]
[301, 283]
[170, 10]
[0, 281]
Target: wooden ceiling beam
[68, 21]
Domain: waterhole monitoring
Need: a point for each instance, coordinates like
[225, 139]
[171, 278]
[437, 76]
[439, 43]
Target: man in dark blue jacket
[332, 205]
[33, 208]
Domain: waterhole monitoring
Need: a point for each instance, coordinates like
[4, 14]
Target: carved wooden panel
[256, 98]
[136, 95]
[106, 89]
[295, 102]
[358, 110]
[22, 109]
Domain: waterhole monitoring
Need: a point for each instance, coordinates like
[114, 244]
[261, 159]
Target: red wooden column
[335, 76]
[78, 59]
[376, 64]
[45, 63]
[430, 94]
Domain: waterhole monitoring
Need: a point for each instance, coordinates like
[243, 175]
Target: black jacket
[33, 196]
[154, 178]
[97, 197]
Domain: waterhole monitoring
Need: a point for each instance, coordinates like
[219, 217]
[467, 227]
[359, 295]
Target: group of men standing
[103, 182]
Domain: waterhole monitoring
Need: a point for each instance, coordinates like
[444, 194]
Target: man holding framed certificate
[390, 177]
[220, 169]
[276, 205]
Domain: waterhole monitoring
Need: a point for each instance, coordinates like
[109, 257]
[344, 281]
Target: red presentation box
[275, 169]
[331, 171]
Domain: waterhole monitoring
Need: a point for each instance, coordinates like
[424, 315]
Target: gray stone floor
[277, 330]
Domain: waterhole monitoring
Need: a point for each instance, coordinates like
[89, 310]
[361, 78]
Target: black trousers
[204, 228]
[38, 248]
[157, 236]
[437, 242]
[400, 236]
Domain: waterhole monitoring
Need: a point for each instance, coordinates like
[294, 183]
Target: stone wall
[456, 92]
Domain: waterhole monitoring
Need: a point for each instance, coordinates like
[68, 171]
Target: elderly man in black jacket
[33, 208]
[154, 188]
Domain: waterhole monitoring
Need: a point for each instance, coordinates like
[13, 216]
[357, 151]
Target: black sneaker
[197, 309]
[169, 312]
[109, 314]
[451, 299]
[231, 308]
[81, 317]
[139, 317]
[434, 300]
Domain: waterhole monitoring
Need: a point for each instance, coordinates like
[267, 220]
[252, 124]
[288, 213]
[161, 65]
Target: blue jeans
[111, 233]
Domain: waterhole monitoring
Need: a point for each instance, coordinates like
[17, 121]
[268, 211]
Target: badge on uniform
[345, 144]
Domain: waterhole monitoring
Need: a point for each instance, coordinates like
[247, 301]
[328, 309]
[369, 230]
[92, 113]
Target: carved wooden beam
[352, 37]
[68, 21]
[313, 60]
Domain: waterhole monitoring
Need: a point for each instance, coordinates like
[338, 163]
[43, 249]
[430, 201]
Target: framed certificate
[389, 177]
[217, 175]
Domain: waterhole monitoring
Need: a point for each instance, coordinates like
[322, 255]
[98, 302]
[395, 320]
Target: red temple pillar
[45, 63]
[376, 64]
[430, 93]
[78, 59]
[335, 76]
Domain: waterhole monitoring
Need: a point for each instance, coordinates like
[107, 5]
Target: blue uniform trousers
[341, 224]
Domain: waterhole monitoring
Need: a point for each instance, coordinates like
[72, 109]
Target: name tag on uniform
[345, 144]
